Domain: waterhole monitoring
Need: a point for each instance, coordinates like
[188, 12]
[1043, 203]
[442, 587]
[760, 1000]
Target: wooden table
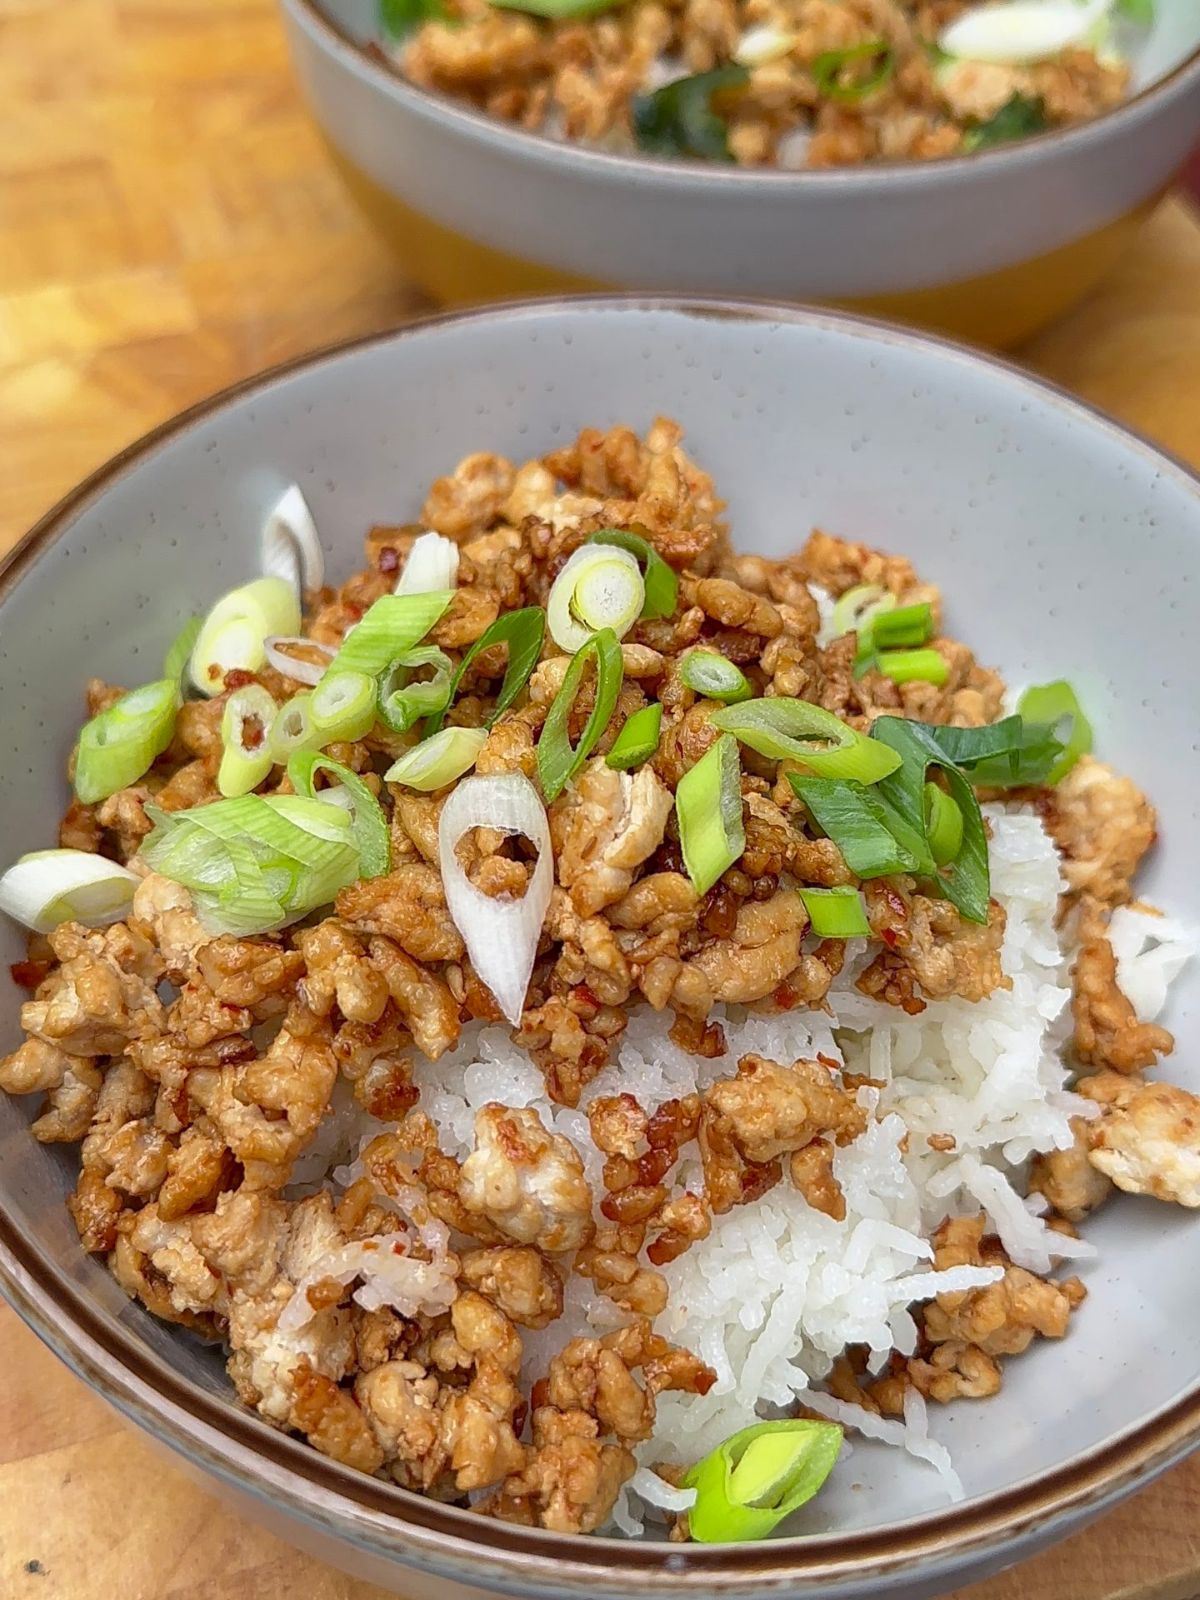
[168, 223]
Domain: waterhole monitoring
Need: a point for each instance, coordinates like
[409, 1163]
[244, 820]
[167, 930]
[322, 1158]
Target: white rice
[777, 1291]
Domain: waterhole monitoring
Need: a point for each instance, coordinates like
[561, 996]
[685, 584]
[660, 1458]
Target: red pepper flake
[29, 973]
[785, 997]
[389, 559]
[238, 678]
[400, 1247]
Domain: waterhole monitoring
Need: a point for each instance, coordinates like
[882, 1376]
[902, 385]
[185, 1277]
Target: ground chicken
[1148, 1137]
[1103, 824]
[528, 1182]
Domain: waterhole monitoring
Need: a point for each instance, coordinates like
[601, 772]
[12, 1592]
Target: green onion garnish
[342, 707]
[558, 760]
[759, 1476]
[180, 653]
[438, 760]
[913, 666]
[903, 625]
[796, 730]
[257, 862]
[367, 821]
[234, 634]
[522, 631]
[836, 913]
[855, 609]
[292, 728]
[120, 744]
[399, 18]
[600, 586]
[1019, 117]
[403, 703]
[638, 739]
[245, 728]
[389, 628]
[1011, 753]
[708, 801]
[1047, 704]
[661, 582]
[858, 822]
[679, 118]
[838, 75]
[49, 887]
[556, 10]
[943, 825]
[1140, 12]
[707, 673]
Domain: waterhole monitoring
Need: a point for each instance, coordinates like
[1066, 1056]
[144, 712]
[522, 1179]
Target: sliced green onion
[943, 825]
[48, 887]
[399, 18]
[796, 730]
[522, 631]
[638, 739]
[660, 581]
[299, 668]
[120, 744]
[389, 628]
[836, 913]
[343, 707]
[1140, 12]
[403, 703]
[1019, 117]
[835, 78]
[1048, 704]
[600, 586]
[966, 880]
[858, 822]
[557, 10]
[432, 565]
[913, 666]
[683, 117]
[854, 609]
[367, 821]
[292, 728]
[438, 760]
[245, 734]
[759, 1476]
[705, 672]
[708, 802]
[558, 760]
[176, 660]
[234, 633]
[256, 862]
[1008, 754]
[906, 625]
[290, 546]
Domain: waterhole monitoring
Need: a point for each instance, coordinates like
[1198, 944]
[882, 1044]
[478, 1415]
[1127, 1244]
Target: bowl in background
[988, 247]
[1064, 546]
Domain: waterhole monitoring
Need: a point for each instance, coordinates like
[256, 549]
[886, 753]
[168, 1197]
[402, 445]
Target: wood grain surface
[168, 223]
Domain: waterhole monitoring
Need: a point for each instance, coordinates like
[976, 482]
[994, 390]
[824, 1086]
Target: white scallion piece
[501, 935]
[759, 45]
[234, 634]
[291, 545]
[432, 565]
[49, 887]
[1017, 31]
[600, 586]
[279, 656]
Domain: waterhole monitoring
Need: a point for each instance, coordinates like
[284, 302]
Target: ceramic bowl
[987, 247]
[1064, 545]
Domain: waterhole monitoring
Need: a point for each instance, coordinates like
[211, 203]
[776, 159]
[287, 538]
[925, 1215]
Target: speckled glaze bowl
[987, 247]
[1064, 545]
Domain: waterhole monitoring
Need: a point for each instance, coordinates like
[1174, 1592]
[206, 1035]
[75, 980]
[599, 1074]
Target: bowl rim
[455, 115]
[391, 1523]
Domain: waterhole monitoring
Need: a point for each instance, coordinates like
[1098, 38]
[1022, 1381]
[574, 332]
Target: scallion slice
[860, 824]
[292, 729]
[403, 703]
[600, 586]
[175, 662]
[432, 565]
[637, 740]
[438, 760]
[707, 673]
[120, 744]
[245, 734]
[558, 759]
[342, 707]
[836, 913]
[684, 117]
[913, 666]
[943, 825]
[367, 821]
[281, 654]
[1011, 753]
[1047, 704]
[290, 547]
[796, 730]
[708, 802]
[759, 1476]
[49, 887]
[522, 631]
[853, 610]
[905, 625]
[389, 628]
[660, 581]
[234, 633]
[839, 74]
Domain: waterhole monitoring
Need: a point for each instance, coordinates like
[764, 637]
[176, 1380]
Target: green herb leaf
[680, 120]
[860, 824]
[399, 18]
[661, 583]
[1017, 118]
[522, 631]
[1009, 754]
[1044, 707]
[849, 76]
[558, 759]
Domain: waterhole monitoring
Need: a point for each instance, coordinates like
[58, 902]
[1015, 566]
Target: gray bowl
[1065, 546]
